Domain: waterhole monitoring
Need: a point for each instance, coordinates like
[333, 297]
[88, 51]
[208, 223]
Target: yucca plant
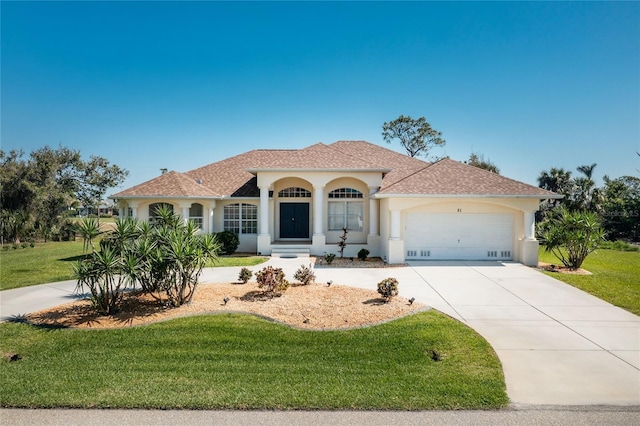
[571, 236]
[104, 275]
[89, 229]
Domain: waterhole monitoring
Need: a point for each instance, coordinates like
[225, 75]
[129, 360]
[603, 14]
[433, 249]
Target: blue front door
[294, 220]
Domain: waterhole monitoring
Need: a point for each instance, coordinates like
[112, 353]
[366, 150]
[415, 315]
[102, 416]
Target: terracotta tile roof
[172, 184]
[403, 175]
[449, 177]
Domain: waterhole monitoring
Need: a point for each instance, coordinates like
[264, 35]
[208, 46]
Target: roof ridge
[411, 174]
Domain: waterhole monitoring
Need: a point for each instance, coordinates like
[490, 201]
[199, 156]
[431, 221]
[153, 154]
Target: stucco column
[318, 214]
[134, 209]
[121, 212]
[264, 210]
[210, 220]
[395, 225]
[185, 211]
[373, 212]
[530, 225]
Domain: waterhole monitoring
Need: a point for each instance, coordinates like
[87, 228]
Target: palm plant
[104, 275]
[571, 236]
[89, 229]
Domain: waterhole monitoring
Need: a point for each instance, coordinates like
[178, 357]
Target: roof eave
[529, 196]
[184, 197]
[280, 170]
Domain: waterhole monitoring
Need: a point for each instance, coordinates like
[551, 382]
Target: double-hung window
[241, 218]
[195, 214]
[345, 210]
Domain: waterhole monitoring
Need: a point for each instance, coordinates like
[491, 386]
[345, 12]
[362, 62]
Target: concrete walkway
[558, 345]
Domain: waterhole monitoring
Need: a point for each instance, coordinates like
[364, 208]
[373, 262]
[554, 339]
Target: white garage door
[459, 236]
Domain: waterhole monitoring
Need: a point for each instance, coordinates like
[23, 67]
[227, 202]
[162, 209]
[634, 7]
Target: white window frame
[244, 220]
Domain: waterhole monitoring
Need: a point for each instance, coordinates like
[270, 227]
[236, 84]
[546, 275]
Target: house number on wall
[459, 210]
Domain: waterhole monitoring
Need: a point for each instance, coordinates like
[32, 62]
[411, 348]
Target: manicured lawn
[235, 361]
[52, 261]
[45, 263]
[616, 277]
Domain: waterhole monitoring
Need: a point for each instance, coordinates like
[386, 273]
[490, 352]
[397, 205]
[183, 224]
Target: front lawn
[52, 261]
[235, 361]
[616, 277]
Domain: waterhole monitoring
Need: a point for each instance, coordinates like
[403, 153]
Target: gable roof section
[172, 184]
[314, 157]
[452, 178]
[400, 165]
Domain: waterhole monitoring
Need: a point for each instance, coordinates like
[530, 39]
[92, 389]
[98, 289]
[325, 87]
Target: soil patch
[315, 306]
[562, 269]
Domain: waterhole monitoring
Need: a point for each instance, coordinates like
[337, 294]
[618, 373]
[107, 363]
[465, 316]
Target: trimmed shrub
[229, 241]
[245, 275]
[305, 275]
[272, 280]
[362, 254]
[388, 288]
[328, 257]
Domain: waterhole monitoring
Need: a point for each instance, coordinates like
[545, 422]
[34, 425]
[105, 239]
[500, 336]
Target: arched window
[196, 215]
[344, 211]
[241, 218]
[294, 192]
[153, 210]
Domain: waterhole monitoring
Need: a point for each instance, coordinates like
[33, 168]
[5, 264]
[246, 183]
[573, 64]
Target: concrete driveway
[557, 344]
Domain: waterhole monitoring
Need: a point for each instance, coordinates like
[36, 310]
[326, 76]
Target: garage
[459, 236]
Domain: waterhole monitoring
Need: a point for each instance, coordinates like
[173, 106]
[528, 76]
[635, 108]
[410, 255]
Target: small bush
[362, 254]
[328, 257]
[388, 288]
[245, 275]
[619, 246]
[305, 275]
[272, 279]
[343, 241]
[24, 245]
[229, 241]
[15, 246]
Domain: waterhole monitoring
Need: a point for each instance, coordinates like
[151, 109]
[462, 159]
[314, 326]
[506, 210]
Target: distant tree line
[36, 191]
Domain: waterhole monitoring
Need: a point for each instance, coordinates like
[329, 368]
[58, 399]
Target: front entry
[294, 220]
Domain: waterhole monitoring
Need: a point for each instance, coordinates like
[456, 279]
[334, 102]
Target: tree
[95, 177]
[585, 194]
[416, 135]
[572, 235]
[46, 184]
[621, 208]
[478, 160]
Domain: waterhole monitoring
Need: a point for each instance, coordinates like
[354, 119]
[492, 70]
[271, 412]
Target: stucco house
[400, 208]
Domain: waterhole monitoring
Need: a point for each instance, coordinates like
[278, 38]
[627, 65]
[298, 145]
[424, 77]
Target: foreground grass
[615, 279]
[235, 361]
[52, 261]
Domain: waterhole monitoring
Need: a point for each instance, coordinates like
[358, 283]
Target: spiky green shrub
[362, 254]
[272, 280]
[305, 275]
[572, 235]
[244, 275]
[388, 288]
[328, 257]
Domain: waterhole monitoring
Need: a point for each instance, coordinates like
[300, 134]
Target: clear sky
[150, 85]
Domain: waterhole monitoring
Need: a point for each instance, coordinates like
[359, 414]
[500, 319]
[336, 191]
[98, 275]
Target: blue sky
[180, 85]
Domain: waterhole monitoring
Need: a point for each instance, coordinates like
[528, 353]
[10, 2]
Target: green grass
[616, 277]
[52, 261]
[234, 361]
[45, 263]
